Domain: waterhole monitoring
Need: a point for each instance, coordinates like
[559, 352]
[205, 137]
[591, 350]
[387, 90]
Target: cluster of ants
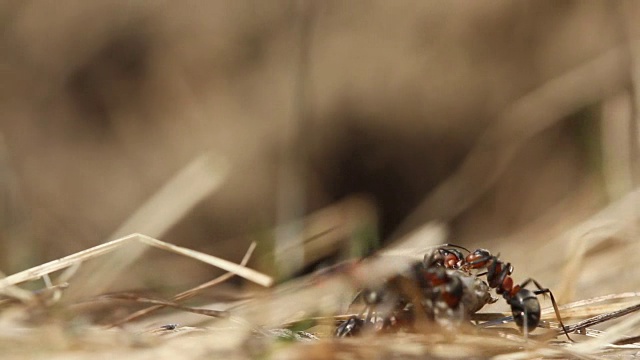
[446, 287]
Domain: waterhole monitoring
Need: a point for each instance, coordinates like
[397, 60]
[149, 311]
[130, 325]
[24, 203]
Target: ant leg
[495, 279]
[371, 314]
[355, 323]
[356, 298]
[525, 325]
[545, 291]
[529, 281]
[351, 327]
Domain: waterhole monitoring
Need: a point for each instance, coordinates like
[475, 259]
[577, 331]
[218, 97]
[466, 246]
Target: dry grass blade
[543, 352]
[628, 12]
[166, 207]
[245, 272]
[617, 154]
[189, 293]
[581, 86]
[326, 230]
[588, 307]
[47, 268]
[628, 340]
[616, 220]
[602, 318]
[169, 204]
[599, 299]
[15, 292]
[192, 292]
[159, 302]
[613, 334]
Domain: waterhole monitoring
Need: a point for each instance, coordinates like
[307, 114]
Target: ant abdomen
[526, 309]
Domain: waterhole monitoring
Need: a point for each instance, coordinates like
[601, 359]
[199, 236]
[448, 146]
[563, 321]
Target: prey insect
[434, 289]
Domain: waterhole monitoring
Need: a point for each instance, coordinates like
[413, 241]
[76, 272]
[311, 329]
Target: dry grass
[45, 323]
[586, 258]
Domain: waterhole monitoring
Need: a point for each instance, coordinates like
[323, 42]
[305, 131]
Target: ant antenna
[457, 246]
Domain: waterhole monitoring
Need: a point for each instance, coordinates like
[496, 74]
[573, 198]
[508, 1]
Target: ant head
[478, 258]
[446, 255]
[451, 258]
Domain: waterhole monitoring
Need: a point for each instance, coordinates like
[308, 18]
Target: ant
[524, 302]
[434, 288]
[447, 256]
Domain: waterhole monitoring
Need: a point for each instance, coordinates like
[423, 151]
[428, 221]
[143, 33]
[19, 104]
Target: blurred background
[354, 122]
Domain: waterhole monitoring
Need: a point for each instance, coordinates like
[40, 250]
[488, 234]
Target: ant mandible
[524, 302]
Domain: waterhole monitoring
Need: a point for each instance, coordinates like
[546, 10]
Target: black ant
[524, 302]
[434, 289]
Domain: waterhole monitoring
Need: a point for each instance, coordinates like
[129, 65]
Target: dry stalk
[52, 266]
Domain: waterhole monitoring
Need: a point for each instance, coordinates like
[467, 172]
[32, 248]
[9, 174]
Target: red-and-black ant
[434, 289]
[440, 284]
[524, 302]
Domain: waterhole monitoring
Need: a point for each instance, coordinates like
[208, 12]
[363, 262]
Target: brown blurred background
[104, 101]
